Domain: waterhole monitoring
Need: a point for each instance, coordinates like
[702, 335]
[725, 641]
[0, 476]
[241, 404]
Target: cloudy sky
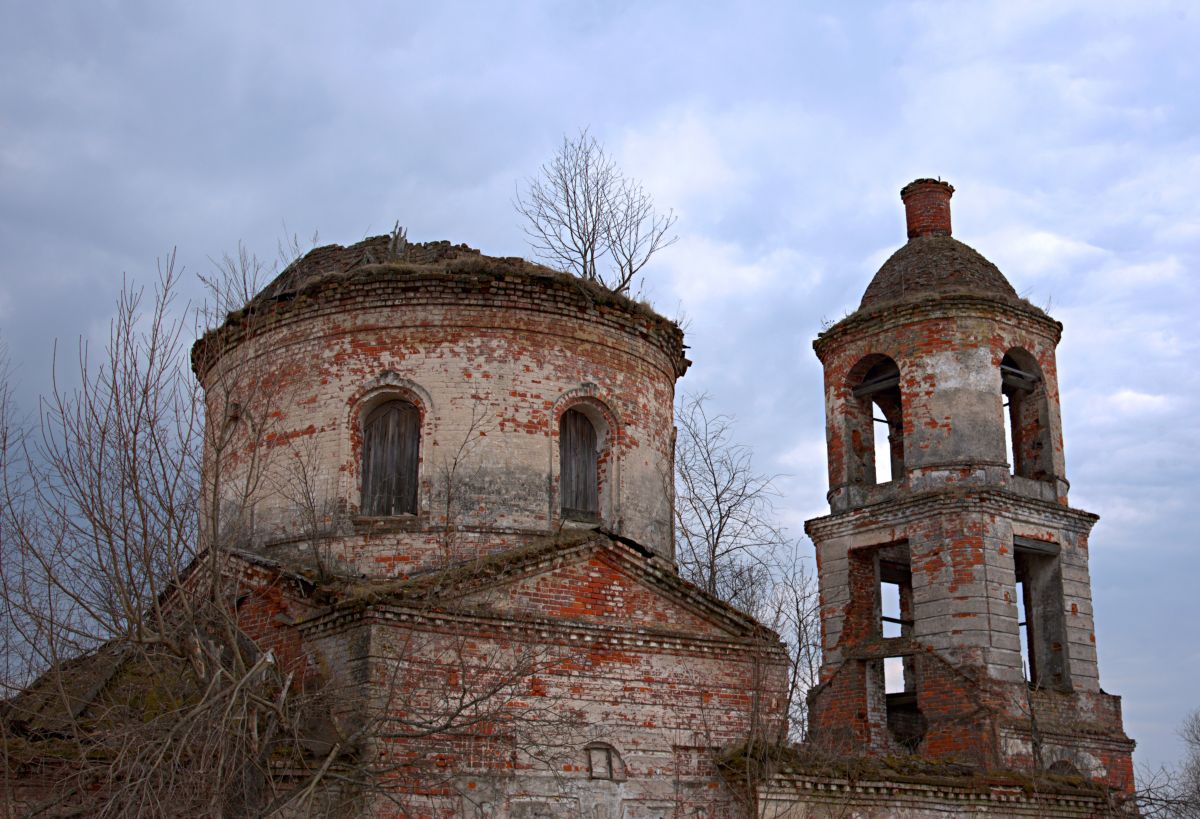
[780, 133]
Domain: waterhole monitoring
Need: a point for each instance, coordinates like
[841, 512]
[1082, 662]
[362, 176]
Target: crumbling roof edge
[777, 766]
[462, 264]
[33, 706]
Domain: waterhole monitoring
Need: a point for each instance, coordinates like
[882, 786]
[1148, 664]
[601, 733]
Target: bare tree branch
[728, 543]
[143, 652]
[1174, 793]
[582, 215]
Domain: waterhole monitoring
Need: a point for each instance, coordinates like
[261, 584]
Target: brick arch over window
[586, 460]
[1024, 390]
[873, 387]
[387, 419]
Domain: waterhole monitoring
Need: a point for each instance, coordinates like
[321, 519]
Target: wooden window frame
[580, 444]
[400, 468]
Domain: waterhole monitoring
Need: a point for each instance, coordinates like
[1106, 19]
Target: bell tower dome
[956, 601]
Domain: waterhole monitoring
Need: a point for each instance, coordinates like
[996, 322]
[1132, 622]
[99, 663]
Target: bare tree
[582, 215]
[793, 612]
[1174, 793]
[725, 532]
[728, 543]
[320, 515]
[147, 661]
[154, 695]
[455, 474]
[1190, 732]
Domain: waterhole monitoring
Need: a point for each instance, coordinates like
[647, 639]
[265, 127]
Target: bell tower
[955, 596]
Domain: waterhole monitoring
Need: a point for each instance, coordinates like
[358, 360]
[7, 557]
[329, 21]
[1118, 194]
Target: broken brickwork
[604, 652]
[491, 648]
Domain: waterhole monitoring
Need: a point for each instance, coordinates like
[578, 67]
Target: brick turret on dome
[933, 262]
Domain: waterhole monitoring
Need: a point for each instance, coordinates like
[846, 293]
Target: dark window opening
[391, 441]
[579, 467]
[894, 619]
[1040, 613]
[905, 722]
[1027, 430]
[877, 425]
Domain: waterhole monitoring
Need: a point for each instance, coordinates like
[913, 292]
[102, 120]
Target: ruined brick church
[479, 555]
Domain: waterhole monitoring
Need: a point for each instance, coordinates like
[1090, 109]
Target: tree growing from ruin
[584, 216]
[724, 512]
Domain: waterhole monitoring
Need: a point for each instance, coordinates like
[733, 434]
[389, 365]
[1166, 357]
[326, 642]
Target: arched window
[1028, 425]
[391, 439]
[579, 466]
[1064, 767]
[876, 422]
[604, 762]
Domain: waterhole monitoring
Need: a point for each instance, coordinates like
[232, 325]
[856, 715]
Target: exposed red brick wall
[596, 591]
[666, 705]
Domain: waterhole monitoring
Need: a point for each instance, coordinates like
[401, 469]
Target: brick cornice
[540, 630]
[948, 795]
[892, 315]
[508, 288]
[908, 508]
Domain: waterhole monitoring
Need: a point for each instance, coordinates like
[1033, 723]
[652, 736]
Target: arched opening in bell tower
[875, 420]
[1027, 421]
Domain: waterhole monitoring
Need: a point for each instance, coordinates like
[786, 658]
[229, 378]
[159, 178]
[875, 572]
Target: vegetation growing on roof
[323, 273]
[759, 761]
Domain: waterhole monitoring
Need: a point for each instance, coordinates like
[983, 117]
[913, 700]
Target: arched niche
[604, 762]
